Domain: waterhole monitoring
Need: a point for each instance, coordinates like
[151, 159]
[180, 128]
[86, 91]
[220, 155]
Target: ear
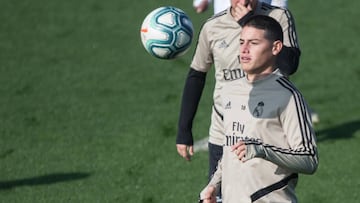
[277, 46]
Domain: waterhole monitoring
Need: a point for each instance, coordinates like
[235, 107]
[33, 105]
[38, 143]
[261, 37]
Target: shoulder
[219, 15]
[264, 7]
[217, 18]
[277, 83]
[287, 86]
[273, 11]
[219, 24]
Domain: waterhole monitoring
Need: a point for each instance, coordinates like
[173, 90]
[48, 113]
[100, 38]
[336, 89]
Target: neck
[252, 77]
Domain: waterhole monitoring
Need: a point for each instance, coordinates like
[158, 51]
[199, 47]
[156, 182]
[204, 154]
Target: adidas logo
[223, 44]
[228, 105]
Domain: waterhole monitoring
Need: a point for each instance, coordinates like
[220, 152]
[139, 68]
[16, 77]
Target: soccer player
[218, 46]
[220, 5]
[269, 133]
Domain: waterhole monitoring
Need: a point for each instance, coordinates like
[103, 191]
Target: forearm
[214, 182]
[217, 176]
[293, 160]
[194, 86]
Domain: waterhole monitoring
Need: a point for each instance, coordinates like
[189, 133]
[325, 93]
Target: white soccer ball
[167, 32]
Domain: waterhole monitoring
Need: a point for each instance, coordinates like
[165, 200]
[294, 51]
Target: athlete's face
[257, 54]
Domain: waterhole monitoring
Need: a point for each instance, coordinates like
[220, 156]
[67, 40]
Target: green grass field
[86, 115]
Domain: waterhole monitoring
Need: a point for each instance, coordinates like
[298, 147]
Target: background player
[269, 136]
[220, 5]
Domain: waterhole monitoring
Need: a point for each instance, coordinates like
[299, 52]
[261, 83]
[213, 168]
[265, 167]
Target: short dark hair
[273, 30]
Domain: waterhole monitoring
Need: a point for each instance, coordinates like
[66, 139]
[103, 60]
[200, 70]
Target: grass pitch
[86, 115]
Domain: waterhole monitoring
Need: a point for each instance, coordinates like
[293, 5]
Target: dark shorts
[215, 154]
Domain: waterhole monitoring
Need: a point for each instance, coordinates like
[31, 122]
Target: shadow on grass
[42, 180]
[342, 131]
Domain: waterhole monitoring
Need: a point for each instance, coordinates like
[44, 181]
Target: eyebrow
[255, 39]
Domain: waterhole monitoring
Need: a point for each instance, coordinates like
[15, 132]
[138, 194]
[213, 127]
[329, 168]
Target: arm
[208, 194]
[242, 13]
[301, 155]
[194, 86]
[295, 160]
[289, 159]
[288, 60]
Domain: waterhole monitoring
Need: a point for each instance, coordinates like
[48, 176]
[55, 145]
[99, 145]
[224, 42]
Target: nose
[244, 48]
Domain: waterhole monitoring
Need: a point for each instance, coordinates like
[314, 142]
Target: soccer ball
[167, 32]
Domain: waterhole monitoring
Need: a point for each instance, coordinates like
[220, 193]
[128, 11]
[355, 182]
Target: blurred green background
[87, 115]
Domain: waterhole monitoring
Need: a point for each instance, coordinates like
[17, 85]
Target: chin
[246, 68]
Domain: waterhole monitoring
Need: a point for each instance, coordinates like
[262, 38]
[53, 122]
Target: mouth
[245, 59]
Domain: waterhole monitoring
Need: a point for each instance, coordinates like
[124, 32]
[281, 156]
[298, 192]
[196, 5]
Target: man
[269, 134]
[220, 5]
[218, 46]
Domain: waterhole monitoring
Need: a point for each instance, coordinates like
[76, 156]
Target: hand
[185, 151]
[240, 150]
[241, 9]
[200, 5]
[209, 196]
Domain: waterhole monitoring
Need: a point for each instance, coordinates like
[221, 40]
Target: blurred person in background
[220, 5]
